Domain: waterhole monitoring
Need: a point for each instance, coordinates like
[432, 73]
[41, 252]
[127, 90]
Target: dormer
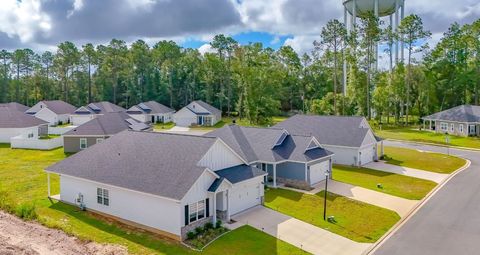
[281, 139]
[314, 144]
[94, 108]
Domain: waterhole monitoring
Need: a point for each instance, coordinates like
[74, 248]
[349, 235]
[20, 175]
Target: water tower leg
[376, 45]
[402, 16]
[354, 12]
[396, 28]
[391, 45]
[345, 21]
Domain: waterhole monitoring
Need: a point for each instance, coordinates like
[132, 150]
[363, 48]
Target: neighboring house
[54, 112]
[92, 110]
[463, 120]
[15, 106]
[296, 160]
[166, 183]
[197, 113]
[350, 138]
[99, 129]
[15, 123]
[152, 112]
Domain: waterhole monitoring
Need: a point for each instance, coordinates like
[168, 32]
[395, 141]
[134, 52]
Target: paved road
[449, 223]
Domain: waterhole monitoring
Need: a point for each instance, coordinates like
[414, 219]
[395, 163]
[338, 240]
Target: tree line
[257, 82]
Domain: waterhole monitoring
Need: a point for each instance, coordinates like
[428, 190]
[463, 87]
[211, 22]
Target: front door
[200, 120]
[153, 119]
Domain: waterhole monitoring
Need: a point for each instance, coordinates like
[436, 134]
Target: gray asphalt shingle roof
[235, 174]
[153, 107]
[329, 130]
[462, 113]
[100, 108]
[13, 118]
[257, 144]
[208, 107]
[108, 124]
[155, 163]
[59, 107]
[15, 106]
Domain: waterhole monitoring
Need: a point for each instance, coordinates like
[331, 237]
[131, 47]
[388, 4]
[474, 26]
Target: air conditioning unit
[79, 202]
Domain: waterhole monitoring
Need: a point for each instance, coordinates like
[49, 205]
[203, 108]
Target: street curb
[435, 144]
[414, 210]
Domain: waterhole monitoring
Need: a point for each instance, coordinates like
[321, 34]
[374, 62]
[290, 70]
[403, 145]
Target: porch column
[430, 124]
[423, 124]
[274, 175]
[306, 173]
[228, 205]
[381, 148]
[48, 183]
[214, 208]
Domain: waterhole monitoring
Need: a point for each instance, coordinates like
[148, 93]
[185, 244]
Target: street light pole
[327, 174]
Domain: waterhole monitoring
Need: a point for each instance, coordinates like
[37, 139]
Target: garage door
[317, 172]
[367, 155]
[245, 196]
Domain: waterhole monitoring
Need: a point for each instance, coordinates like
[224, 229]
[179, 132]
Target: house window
[103, 197]
[196, 211]
[83, 143]
[452, 127]
[461, 128]
[99, 140]
[30, 135]
[443, 126]
[472, 129]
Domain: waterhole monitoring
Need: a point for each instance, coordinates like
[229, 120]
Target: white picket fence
[19, 142]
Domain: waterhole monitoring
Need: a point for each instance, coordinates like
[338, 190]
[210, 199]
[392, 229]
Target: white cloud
[301, 43]
[23, 19]
[206, 48]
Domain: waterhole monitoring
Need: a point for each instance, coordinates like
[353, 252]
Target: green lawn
[434, 162]
[163, 126]
[242, 122]
[393, 184]
[411, 134]
[253, 242]
[23, 182]
[355, 220]
[48, 137]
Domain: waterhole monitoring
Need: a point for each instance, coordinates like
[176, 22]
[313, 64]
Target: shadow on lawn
[123, 231]
[392, 161]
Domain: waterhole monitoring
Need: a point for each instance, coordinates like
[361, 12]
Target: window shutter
[207, 205]
[186, 215]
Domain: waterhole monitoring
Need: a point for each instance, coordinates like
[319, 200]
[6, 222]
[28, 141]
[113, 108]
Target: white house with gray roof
[463, 120]
[350, 138]
[165, 183]
[197, 113]
[294, 160]
[54, 112]
[93, 110]
[15, 123]
[152, 112]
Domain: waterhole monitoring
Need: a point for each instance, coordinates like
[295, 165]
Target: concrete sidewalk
[397, 204]
[298, 233]
[385, 167]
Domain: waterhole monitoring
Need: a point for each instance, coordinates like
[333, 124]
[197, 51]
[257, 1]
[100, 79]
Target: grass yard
[393, 184]
[434, 162]
[241, 122]
[24, 183]
[163, 126]
[48, 137]
[416, 135]
[355, 220]
[253, 242]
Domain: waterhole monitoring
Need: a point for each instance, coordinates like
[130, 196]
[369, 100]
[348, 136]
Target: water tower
[394, 9]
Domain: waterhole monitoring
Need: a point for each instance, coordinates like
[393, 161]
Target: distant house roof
[15, 106]
[208, 107]
[108, 124]
[462, 113]
[13, 118]
[235, 174]
[329, 130]
[56, 106]
[156, 163]
[150, 107]
[99, 108]
[268, 144]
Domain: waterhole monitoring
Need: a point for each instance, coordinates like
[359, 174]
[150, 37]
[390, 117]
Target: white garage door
[245, 196]
[317, 172]
[367, 155]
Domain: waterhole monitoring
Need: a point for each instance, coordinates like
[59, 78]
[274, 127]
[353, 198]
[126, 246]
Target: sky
[42, 24]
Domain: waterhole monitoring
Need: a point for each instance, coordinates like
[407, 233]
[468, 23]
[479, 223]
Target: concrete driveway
[185, 131]
[298, 233]
[383, 166]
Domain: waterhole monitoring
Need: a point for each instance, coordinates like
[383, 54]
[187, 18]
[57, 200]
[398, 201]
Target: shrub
[26, 211]
[199, 230]
[218, 224]
[191, 235]
[208, 226]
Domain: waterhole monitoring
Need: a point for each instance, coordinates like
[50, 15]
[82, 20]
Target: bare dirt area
[19, 237]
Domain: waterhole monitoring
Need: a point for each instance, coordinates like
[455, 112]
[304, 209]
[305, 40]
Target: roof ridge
[173, 134]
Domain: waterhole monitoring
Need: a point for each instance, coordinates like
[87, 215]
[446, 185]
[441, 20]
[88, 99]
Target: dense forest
[257, 82]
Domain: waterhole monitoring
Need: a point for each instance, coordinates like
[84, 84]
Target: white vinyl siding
[99, 140]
